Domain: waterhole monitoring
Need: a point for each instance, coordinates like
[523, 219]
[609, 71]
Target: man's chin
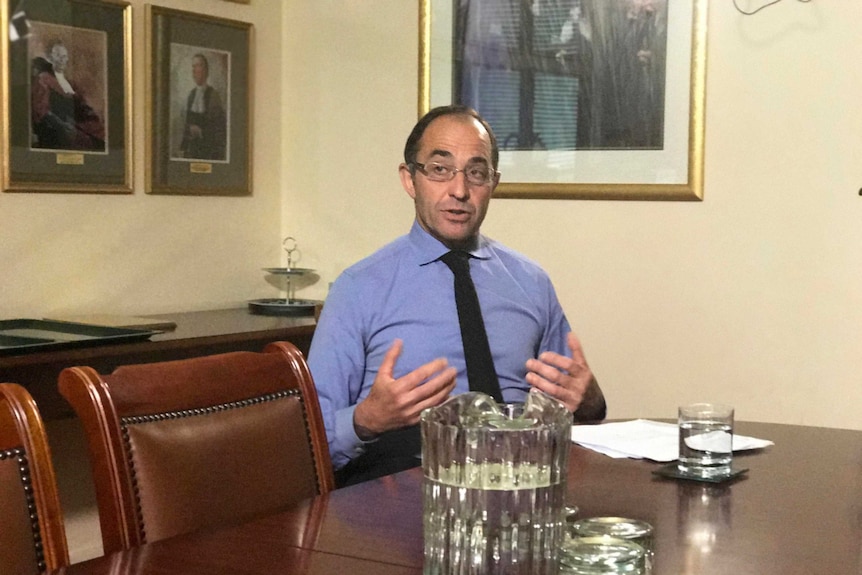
[461, 242]
[453, 235]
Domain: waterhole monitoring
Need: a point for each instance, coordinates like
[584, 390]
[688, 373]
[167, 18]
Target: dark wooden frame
[21, 427]
[27, 169]
[166, 173]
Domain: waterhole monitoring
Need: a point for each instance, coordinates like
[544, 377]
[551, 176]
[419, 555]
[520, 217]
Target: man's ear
[407, 180]
[495, 183]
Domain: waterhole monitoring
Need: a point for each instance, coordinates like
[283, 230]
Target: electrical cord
[767, 5]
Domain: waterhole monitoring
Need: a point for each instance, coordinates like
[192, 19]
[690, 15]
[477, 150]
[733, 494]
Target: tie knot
[457, 260]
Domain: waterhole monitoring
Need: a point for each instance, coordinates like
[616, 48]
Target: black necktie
[477, 353]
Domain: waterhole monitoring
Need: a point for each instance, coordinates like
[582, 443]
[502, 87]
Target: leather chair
[183, 445]
[32, 536]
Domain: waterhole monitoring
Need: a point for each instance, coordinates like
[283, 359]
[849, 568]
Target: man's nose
[460, 188]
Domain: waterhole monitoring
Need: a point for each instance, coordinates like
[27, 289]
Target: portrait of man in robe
[199, 104]
[68, 88]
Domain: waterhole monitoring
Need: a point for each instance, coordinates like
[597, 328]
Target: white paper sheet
[644, 439]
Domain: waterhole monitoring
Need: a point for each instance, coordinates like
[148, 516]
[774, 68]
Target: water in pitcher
[500, 523]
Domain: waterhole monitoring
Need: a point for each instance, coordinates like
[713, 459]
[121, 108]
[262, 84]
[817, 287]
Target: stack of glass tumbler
[607, 545]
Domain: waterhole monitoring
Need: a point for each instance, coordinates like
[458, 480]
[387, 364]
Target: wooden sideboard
[197, 333]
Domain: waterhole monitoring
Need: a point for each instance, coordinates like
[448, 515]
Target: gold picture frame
[199, 104]
[66, 96]
[461, 57]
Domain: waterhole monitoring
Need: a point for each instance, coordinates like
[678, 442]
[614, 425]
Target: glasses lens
[439, 172]
[478, 174]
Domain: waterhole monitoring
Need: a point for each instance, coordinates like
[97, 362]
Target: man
[388, 343]
[61, 117]
[205, 133]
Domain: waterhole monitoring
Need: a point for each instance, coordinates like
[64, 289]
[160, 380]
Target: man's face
[59, 57]
[451, 211]
[199, 71]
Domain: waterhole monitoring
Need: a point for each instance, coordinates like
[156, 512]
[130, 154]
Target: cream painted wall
[136, 254]
[753, 296]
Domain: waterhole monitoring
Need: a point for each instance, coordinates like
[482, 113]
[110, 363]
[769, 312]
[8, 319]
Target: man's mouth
[458, 213]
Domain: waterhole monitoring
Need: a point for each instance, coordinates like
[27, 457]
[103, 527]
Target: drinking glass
[602, 555]
[705, 439]
[639, 532]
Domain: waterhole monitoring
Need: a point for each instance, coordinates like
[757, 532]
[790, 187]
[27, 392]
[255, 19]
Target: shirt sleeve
[557, 327]
[337, 363]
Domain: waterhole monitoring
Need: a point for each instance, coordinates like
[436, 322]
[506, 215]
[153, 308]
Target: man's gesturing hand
[568, 379]
[395, 403]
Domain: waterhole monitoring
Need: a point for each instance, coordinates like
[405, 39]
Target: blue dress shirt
[403, 291]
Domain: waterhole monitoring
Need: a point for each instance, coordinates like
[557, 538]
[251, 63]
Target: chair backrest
[182, 445]
[32, 536]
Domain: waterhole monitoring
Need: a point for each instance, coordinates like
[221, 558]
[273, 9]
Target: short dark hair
[411, 148]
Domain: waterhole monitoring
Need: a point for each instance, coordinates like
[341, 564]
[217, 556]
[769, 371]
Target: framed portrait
[199, 104]
[588, 99]
[66, 96]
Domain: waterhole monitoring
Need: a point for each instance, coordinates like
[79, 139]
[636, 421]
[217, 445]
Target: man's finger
[387, 366]
[547, 367]
[438, 389]
[422, 373]
[577, 349]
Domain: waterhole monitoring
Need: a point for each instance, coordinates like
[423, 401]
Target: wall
[753, 296]
[137, 254]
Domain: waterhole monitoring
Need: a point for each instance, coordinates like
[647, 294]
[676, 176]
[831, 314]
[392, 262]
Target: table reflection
[703, 518]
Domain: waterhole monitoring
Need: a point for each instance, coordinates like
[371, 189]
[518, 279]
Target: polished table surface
[798, 511]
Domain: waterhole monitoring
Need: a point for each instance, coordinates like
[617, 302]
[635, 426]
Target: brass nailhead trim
[27, 484]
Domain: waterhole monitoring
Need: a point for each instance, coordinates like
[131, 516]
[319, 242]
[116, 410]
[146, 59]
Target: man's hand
[395, 403]
[568, 379]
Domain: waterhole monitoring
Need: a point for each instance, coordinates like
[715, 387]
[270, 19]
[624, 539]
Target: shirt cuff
[347, 444]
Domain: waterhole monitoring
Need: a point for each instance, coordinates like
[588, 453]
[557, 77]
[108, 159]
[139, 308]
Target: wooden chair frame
[23, 436]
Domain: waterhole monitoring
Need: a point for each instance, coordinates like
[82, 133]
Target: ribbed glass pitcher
[495, 485]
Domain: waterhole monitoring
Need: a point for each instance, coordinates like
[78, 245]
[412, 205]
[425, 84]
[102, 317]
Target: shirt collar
[428, 248]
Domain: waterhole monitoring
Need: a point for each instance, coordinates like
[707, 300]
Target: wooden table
[197, 333]
[798, 511]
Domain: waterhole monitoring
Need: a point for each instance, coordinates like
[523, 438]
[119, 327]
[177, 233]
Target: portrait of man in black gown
[200, 111]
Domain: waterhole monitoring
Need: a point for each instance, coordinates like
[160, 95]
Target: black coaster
[672, 471]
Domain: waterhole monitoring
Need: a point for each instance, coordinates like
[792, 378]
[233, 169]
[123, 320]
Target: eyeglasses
[476, 174]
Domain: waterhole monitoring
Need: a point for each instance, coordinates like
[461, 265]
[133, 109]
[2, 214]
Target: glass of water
[705, 439]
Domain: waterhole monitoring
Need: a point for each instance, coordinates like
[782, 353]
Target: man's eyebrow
[448, 154]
